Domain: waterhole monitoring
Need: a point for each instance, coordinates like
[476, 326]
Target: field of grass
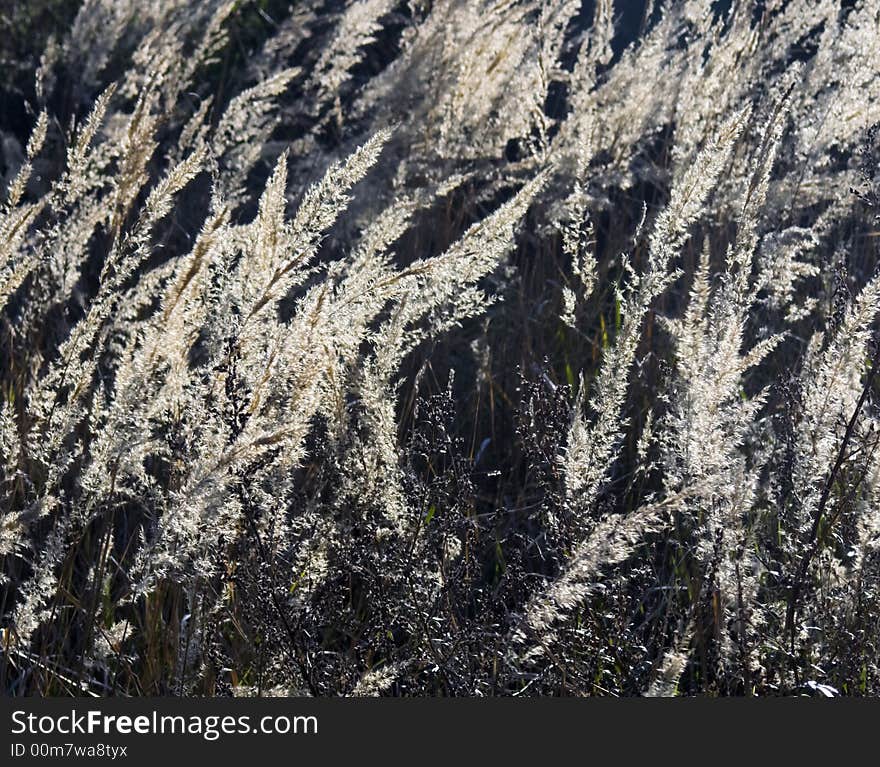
[439, 347]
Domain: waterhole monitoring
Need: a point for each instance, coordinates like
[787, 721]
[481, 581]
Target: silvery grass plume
[591, 447]
[434, 295]
[671, 666]
[711, 420]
